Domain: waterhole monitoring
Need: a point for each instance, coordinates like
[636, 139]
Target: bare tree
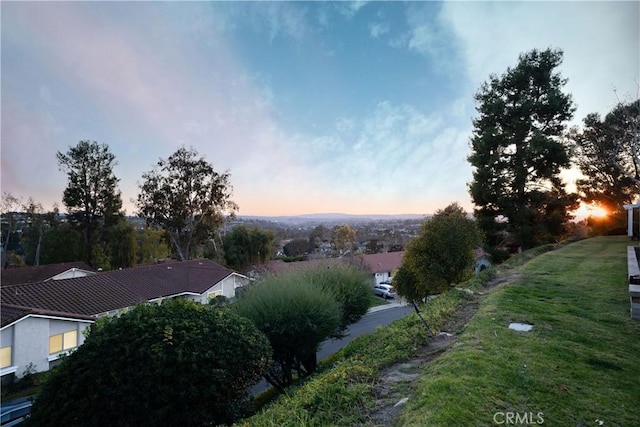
[9, 204]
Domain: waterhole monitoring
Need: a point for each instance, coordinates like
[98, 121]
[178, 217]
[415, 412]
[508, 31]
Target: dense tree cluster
[296, 247]
[246, 247]
[183, 199]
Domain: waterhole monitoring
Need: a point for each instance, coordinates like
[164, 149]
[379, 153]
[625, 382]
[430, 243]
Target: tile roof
[112, 290]
[379, 263]
[10, 313]
[40, 273]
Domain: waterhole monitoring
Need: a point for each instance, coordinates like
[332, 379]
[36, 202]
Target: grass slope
[579, 364]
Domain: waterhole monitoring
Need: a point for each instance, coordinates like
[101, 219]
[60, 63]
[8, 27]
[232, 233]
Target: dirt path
[396, 384]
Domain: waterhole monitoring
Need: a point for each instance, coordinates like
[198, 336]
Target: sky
[312, 107]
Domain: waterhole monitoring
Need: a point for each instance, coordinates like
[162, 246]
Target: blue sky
[352, 107]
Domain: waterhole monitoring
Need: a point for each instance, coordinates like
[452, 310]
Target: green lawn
[579, 364]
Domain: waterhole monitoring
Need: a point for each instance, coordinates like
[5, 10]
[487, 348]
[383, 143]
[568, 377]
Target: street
[367, 324]
[380, 316]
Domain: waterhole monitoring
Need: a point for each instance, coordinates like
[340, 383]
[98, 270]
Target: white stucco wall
[227, 286]
[29, 338]
[384, 276]
[31, 344]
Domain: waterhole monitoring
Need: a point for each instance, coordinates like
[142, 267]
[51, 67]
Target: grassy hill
[579, 366]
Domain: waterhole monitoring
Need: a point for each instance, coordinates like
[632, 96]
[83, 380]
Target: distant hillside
[333, 218]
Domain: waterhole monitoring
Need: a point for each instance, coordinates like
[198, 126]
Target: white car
[385, 291]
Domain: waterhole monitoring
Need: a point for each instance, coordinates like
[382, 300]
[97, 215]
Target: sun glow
[585, 211]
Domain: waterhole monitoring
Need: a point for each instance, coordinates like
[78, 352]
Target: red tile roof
[40, 273]
[112, 290]
[379, 263]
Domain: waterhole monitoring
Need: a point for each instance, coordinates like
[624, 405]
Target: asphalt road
[367, 324]
[381, 317]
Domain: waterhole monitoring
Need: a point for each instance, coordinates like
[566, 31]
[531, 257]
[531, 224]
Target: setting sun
[585, 211]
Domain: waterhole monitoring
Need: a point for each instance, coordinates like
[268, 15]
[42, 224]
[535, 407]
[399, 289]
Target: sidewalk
[398, 302]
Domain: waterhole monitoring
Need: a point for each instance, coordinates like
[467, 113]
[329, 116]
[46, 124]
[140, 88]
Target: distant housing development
[44, 310]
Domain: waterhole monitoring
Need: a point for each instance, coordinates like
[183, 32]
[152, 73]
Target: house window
[60, 342]
[212, 295]
[5, 357]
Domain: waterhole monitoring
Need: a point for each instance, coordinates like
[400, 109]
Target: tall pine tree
[518, 153]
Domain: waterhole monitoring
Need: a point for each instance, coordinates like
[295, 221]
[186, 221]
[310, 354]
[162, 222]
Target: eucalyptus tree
[8, 207]
[185, 196]
[343, 238]
[519, 151]
[33, 236]
[92, 198]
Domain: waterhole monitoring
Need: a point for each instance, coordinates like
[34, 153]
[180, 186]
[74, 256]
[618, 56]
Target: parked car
[14, 413]
[384, 290]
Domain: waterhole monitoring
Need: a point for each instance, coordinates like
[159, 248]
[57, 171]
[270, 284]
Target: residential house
[383, 266]
[42, 273]
[42, 320]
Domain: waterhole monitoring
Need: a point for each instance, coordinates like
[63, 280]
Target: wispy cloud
[165, 74]
[145, 90]
[277, 18]
[350, 9]
[377, 29]
[600, 40]
[373, 155]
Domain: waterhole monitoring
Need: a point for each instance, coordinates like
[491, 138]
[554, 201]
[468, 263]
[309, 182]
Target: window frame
[67, 343]
[3, 355]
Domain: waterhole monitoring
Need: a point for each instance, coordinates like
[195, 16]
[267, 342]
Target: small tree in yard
[179, 363]
[442, 255]
[296, 316]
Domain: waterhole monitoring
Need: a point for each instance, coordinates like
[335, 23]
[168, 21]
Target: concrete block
[632, 261]
[634, 291]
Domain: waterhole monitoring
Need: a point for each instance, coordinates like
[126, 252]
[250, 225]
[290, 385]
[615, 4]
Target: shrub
[179, 363]
[296, 316]
[349, 286]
